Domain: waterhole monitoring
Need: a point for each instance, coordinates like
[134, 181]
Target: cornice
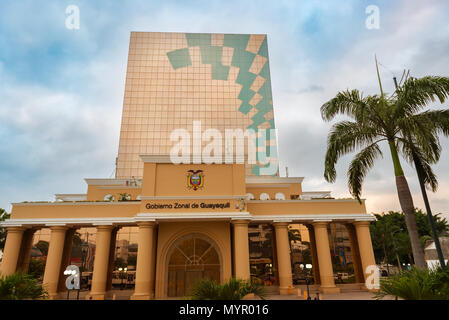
[186, 216]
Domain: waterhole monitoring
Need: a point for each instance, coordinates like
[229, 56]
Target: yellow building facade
[174, 221]
[192, 218]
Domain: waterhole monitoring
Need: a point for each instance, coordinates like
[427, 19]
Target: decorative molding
[260, 186]
[315, 217]
[100, 203]
[197, 216]
[183, 216]
[282, 221]
[192, 197]
[48, 222]
[305, 201]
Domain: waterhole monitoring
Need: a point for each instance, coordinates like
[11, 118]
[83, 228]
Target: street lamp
[307, 267]
[123, 272]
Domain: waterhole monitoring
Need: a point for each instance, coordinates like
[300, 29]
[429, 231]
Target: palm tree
[394, 119]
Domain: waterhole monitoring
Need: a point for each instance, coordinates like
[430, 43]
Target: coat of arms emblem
[195, 179]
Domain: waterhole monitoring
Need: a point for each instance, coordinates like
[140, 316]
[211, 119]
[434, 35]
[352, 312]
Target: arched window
[279, 196]
[264, 196]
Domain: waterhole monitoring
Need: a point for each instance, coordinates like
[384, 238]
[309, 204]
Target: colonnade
[19, 242]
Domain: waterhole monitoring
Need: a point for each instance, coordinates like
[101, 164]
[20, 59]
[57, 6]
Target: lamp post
[307, 268]
[123, 272]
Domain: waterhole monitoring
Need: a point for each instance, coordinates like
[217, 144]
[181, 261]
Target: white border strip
[184, 216]
[304, 201]
[75, 203]
[191, 197]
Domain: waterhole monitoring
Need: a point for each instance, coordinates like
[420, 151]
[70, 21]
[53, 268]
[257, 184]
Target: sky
[61, 89]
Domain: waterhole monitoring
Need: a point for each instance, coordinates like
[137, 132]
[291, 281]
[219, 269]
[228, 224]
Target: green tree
[391, 243]
[293, 236]
[77, 246]
[132, 260]
[3, 216]
[395, 120]
[43, 247]
[20, 286]
[36, 268]
[120, 263]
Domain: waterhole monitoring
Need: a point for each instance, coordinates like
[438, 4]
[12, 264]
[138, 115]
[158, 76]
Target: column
[365, 245]
[111, 262]
[315, 264]
[356, 262]
[145, 262]
[54, 261]
[241, 250]
[12, 250]
[25, 251]
[101, 263]
[66, 259]
[324, 258]
[283, 255]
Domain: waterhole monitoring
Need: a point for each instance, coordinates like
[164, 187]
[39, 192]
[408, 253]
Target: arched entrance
[191, 258]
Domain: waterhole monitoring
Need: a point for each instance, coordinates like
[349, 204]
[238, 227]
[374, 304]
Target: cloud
[417, 42]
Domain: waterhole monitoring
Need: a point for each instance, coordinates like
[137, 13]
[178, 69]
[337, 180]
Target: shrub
[36, 268]
[20, 286]
[417, 284]
[234, 289]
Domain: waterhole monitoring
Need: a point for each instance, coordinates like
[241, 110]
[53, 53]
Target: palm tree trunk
[399, 262]
[406, 202]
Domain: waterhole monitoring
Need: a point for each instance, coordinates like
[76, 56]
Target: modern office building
[222, 81]
[193, 220]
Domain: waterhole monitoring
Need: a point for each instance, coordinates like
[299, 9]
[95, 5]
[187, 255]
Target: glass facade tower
[174, 79]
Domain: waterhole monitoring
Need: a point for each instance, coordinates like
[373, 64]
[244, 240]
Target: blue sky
[61, 90]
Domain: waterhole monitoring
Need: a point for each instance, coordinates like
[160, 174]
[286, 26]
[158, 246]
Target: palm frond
[345, 137]
[417, 158]
[438, 118]
[360, 166]
[421, 132]
[416, 93]
[350, 103]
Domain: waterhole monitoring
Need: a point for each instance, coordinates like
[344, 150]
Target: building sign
[188, 205]
[195, 179]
